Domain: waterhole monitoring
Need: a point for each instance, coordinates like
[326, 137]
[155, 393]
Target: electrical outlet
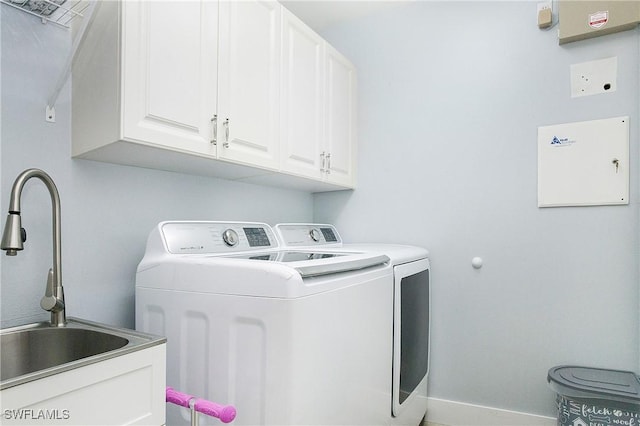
[50, 114]
[594, 77]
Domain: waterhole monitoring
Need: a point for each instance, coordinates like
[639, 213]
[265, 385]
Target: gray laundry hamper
[595, 396]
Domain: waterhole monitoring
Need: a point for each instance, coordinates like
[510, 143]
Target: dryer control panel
[307, 234]
[216, 237]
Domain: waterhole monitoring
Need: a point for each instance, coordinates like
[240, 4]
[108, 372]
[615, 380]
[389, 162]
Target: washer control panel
[307, 234]
[216, 237]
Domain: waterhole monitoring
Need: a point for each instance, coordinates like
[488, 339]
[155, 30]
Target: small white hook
[476, 262]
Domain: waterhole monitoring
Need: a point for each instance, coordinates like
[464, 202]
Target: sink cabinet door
[169, 73]
[128, 389]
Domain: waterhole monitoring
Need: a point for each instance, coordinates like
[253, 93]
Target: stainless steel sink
[26, 351]
[38, 350]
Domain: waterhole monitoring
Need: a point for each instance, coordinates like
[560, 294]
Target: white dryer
[407, 391]
[289, 337]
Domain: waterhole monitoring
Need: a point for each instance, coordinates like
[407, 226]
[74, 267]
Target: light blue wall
[450, 98]
[107, 210]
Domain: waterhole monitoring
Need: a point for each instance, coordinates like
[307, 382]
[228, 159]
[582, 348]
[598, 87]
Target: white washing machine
[290, 337]
[407, 401]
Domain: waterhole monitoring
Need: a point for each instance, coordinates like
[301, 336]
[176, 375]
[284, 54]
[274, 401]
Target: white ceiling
[319, 14]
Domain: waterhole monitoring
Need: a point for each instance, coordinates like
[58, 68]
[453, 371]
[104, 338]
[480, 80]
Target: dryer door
[411, 317]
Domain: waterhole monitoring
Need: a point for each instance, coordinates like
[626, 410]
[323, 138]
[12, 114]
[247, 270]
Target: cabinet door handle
[328, 169]
[214, 123]
[226, 133]
[322, 162]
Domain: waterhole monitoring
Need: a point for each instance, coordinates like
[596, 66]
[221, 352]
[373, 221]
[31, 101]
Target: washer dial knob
[315, 235]
[230, 237]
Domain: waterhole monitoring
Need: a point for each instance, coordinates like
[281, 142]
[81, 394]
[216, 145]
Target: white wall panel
[584, 163]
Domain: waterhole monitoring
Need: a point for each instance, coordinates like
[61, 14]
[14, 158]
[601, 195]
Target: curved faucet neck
[58, 317]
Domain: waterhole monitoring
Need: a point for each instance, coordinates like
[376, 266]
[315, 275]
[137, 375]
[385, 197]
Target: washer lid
[597, 383]
[311, 264]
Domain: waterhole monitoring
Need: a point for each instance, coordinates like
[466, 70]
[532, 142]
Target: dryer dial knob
[230, 237]
[315, 235]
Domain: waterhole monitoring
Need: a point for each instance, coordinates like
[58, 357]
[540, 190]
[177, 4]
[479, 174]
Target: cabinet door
[302, 98]
[169, 73]
[248, 85]
[340, 116]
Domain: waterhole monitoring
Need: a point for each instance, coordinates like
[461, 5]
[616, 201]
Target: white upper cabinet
[249, 82]
[143, 96]
[169, 82]
[237, 89]
[340, 118]
[146, 86]
[303, 112]
[318, 106]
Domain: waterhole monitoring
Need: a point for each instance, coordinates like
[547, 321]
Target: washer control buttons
[315, 235]
[257, 237]
[329, 236]
[230, 237]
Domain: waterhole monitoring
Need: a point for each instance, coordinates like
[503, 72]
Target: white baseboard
[452, 413]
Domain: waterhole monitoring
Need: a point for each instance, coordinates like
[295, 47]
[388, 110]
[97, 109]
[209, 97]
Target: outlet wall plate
[594, 77]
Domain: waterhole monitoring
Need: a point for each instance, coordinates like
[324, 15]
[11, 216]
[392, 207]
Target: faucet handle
[49, 302]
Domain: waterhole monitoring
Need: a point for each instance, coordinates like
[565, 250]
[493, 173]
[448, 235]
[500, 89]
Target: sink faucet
[14, 235]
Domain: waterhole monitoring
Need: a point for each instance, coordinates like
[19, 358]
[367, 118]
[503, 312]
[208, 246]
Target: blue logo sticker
[561, 141]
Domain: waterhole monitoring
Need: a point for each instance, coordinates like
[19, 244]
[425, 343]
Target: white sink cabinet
[128, 389]
[195, 87]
